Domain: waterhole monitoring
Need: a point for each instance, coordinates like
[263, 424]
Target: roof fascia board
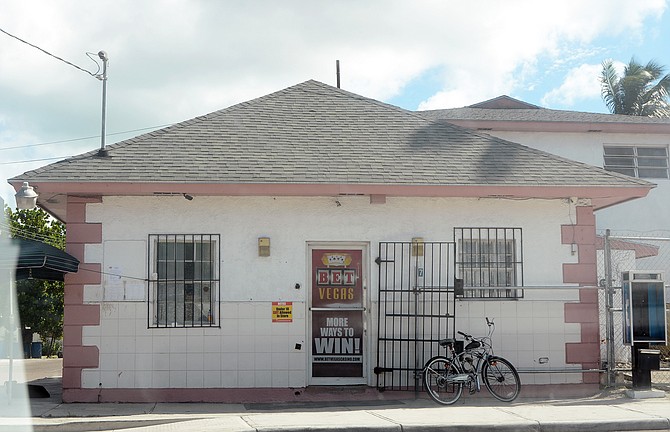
[601, 196]
[566, 127]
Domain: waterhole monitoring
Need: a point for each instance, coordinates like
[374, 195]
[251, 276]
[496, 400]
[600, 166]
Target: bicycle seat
[446, 342]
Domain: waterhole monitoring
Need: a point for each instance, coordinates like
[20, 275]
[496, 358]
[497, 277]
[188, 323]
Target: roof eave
[561, 126]
[53, 196]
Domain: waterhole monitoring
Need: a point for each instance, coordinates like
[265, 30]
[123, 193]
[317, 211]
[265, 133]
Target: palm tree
[641, 91]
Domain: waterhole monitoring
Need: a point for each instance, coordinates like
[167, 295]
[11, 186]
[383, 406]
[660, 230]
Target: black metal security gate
[416, 309]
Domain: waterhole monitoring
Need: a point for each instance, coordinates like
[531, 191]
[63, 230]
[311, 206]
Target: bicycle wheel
[501, 378]
[438, 380]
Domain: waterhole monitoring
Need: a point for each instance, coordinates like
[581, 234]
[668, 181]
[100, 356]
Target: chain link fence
[619, 252]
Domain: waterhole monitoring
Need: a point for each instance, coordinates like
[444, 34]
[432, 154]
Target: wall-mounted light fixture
[188, 197]
[26, 197]
[417, 246]
[264, 246]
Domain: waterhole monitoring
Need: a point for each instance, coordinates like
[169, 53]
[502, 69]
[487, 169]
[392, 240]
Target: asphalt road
[26, 370]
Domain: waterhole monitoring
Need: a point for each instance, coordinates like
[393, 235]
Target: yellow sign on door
[282, 311]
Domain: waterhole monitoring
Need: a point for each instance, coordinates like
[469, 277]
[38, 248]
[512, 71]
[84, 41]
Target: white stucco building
[312, 237]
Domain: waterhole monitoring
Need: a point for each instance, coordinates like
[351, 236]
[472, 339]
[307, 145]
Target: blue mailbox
[644, 317]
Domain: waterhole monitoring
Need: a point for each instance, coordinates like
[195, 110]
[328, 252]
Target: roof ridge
[499, 102]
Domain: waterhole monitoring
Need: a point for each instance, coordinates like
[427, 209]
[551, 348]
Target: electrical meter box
[644, 300]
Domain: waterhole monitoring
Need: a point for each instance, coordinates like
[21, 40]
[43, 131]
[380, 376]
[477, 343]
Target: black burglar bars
[184, 292]
[416, 309]
[490, 259]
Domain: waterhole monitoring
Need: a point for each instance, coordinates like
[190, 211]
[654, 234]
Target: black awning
[38, 260]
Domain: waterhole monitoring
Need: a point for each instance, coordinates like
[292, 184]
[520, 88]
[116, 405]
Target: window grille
[184, 280]
[490, 262]
[634, 161]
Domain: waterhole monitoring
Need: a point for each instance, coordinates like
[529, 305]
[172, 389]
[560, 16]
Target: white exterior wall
[251, 351]
[651, 213]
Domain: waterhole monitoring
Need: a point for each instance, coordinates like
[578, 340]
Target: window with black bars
[184, 280]
[637, 161]
[490, 262]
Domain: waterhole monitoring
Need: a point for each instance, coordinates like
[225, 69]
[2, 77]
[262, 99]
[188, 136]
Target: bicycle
[445, 376]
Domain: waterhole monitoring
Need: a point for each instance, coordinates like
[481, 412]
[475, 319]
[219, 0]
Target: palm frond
[637, 91]
[609, 88]
[655, 69]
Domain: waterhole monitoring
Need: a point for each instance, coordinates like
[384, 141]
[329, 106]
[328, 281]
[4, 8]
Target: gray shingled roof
[314, 133]
[535, 115]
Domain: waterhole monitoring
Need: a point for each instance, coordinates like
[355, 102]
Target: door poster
[337, 313]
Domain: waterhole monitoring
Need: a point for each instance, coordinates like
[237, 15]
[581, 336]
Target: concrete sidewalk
[609, 411]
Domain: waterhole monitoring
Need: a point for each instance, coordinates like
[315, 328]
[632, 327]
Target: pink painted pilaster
[582, 236]
[76, 356]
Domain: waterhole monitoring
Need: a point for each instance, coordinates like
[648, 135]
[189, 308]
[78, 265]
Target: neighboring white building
[312, 237]
[632, 145]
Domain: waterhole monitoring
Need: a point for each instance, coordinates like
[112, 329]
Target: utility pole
[103, 56]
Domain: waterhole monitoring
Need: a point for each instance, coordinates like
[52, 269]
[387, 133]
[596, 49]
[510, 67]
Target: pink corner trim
[588, 295]
[88, 274]
[581, 352]
[84, 232]
[82, 315]
[581, 312]
[585, 216]
[72, 335]
[74, 295]
[76, 313]
[584, 272]
[578, 234]
[71, 379]
[578, 273]
[80, 356]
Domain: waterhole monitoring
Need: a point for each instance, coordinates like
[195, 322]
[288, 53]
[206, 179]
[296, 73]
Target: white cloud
[581, 83]
[173, 60]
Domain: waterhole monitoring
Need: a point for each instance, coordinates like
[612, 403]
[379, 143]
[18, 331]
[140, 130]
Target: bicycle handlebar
[489, 322]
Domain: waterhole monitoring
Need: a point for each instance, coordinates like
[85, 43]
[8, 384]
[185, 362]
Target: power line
[111, 274]
[84, 138]
[26, 233]
[48, 53]
[33, 160]
[58, 142]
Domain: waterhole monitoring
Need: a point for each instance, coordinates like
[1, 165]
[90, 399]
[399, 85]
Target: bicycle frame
[445, 376]
[471, 360]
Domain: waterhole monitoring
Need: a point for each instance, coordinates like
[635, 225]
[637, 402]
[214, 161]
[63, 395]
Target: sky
[173, 60]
